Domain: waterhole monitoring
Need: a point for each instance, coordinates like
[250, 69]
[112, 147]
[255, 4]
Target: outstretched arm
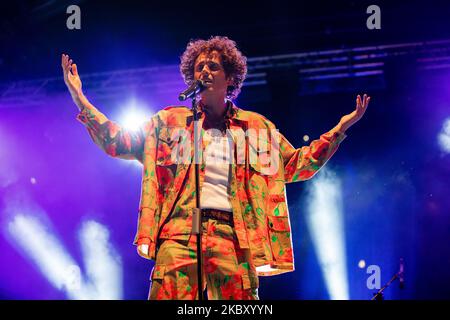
[303, 163]
[350, 119]
[116, 142]
[108, 135]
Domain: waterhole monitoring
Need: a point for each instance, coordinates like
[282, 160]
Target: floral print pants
[228, 273]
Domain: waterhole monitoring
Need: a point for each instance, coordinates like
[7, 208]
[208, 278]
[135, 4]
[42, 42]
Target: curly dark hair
[233, 61]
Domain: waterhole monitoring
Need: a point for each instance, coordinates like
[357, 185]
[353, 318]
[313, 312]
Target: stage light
[362, 264]
[325, 224]
[306, 138]
[444, 136]
[103, 279]
[103, 264]
[42, 247]
[134, 115]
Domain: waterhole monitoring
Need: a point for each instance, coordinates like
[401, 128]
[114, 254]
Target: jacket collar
[232, 111]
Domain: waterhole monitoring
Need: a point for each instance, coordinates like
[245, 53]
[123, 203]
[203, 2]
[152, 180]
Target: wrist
[79, 99]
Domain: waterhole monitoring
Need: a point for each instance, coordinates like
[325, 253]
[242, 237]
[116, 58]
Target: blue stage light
[325, 224]
[444, 136]
[103, 278]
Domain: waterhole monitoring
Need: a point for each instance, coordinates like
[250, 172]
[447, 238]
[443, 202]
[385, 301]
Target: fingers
[358, 102]
[74, 69]
[367, 101]
[66, 63]
[69, 64]
[364, 103]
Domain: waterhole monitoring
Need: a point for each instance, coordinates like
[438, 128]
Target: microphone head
[195, 88]
[200, 84]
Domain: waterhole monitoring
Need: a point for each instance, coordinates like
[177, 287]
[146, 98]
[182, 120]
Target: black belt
[221, 215]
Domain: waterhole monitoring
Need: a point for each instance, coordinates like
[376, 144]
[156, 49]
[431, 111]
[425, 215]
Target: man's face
[208, 67]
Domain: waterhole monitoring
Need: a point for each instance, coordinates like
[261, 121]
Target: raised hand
[71, 77]
[350, 119]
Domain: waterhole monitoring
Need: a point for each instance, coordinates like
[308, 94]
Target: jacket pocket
[157, 272]
[264, 155]
[250, 282]
[173, 146]
[280, 237]
[263, 161]
[156, 283]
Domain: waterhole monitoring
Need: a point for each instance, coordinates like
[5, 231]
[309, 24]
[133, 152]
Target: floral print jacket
[263, 164]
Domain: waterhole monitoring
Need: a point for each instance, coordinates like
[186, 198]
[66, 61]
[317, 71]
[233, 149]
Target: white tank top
[218, 156]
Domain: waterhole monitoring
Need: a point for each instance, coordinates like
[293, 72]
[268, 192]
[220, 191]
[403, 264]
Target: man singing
[244, 215]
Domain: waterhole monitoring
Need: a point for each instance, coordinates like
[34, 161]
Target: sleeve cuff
[90, 116]
[83, 116]
[334, 137]
[339, 136]
[140, 241]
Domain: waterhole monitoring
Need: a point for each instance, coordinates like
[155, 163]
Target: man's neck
[214, 108]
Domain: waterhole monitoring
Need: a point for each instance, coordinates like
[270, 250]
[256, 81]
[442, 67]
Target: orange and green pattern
[228, 273]
[258, 199]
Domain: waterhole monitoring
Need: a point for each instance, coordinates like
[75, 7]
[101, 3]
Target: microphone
[195, 88]
[401, 274]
